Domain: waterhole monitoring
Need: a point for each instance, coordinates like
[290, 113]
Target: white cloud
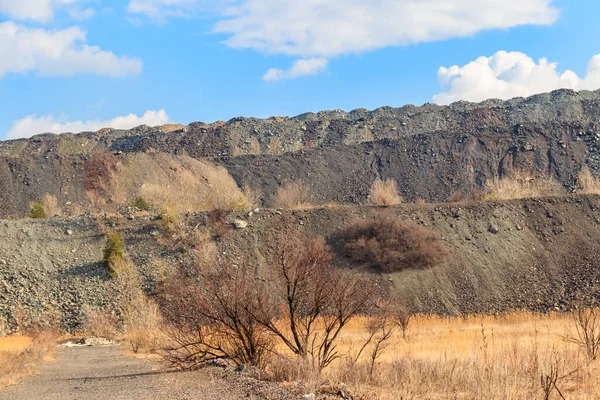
[39, 10]
[300, 68]
[329, 28]
[81, 14]
[33, 125]
[510, 74]
[58, 53]
[161, 10]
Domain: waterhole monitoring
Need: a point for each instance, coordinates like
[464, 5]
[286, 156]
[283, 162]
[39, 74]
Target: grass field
[477, 357]
[20, 355]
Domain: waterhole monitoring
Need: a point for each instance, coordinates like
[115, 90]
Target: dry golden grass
[50, 204]
[588, 183]
[521, 185]
[293, 195]
[188, 184]
[20, 355]
[470, 358]
[384, 193]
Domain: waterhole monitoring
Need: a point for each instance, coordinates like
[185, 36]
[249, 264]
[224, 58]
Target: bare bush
[250, 199]
[50, 204]
[142, 322]
[306, 302]
[169, 217]
[101, 322]
[588, 183]
[210, 319]
[293, 195]
[474, 194]
[384, 193]
[390, 244]
[549, 381]
[402, 317]
[587, 331]
[520, 185]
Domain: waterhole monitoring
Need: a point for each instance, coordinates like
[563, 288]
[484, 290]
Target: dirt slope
[430, 150]
[544, 253]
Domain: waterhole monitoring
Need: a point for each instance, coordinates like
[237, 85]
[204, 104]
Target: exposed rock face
[430, 150]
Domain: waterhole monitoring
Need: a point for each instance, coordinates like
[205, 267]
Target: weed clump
[587, 182]
[114, 254]
[37, 211]
[520, 185]
[292, 196]
[384, 193]
[392, 245]
[169, 217]
[140, 203]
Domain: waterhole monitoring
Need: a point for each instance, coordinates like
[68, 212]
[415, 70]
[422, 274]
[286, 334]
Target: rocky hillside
[431, 150]
[537, 254]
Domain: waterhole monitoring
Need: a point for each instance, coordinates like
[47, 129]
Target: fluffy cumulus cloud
[58, 53]
[320, 29]
[510, 74]
[32, 125]
[300, 68]
[335, 27]
[42, 10]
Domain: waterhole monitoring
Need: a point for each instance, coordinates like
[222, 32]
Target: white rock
[240, 224]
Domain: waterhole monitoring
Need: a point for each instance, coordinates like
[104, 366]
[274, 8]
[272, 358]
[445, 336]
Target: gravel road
[101, 373]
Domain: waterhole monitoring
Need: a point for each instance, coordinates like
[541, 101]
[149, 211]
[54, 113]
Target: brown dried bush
[210, 318]
[474, 194]
[588, 183]
[101, 322]
[522, 185]
[292, 196]
[306, 301]
[384, 193]
[390, 244]
[50, 204]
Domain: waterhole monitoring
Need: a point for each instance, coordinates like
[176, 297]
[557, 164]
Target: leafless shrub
[588, 183]
[101, 322]
[142, 322]
[473, 195]
[549, 380]
[218, 224]
[520, 185]
[292, 195]
[402, 317]
[250, 199]
[384, 193]
[587, 331]
[169, 218]
[306, 302]
[50, 204]
[390, 244]
[210, 319]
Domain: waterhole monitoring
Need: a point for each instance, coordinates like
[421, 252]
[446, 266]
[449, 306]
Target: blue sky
[71, 65]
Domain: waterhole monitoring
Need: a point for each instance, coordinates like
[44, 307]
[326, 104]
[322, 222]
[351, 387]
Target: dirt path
[101, 373]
